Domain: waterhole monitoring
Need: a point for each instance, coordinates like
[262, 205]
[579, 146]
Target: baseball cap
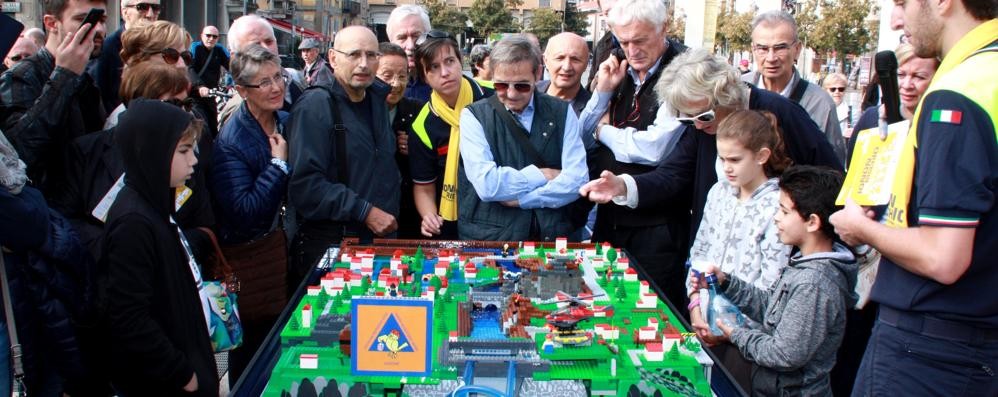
[308, 43]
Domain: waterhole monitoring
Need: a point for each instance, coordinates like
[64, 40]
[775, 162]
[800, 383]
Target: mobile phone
[92, 18]
[619, 53]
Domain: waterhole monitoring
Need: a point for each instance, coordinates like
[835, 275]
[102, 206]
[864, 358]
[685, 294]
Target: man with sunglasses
[107, 70]
[47, 100]
[342, 148]
[206, 70]
[522, 157]
[776, 47]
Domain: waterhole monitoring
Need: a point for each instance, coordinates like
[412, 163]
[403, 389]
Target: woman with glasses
[836, 84]
[251, 171]
[94, 166]
[249, 181]
[433, 140]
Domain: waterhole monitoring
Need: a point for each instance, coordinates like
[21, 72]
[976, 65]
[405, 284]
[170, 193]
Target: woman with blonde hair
[836, 84]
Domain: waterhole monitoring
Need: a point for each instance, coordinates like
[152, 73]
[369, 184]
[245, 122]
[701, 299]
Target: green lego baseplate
[548, 312]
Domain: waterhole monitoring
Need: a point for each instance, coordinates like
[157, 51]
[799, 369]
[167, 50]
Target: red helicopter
[575, 309]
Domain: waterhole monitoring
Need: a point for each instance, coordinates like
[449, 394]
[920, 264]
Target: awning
[287, 27]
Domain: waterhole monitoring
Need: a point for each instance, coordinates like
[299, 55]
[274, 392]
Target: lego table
[520, 318]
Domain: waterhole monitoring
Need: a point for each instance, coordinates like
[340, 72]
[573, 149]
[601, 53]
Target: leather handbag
[262, 268]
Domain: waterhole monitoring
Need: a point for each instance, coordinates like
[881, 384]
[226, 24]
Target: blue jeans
[903, 363]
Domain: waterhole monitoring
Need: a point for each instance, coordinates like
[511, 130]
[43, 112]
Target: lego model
[434, 318]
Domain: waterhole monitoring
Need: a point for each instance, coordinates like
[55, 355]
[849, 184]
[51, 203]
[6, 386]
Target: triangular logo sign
[391, 338]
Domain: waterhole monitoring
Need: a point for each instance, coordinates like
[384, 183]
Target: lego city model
[431, 318]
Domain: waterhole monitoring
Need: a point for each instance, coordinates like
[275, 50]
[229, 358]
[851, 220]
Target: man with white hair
[623, 135]
[776, 47]
[407, 26]
[252, 29]
[107, 71]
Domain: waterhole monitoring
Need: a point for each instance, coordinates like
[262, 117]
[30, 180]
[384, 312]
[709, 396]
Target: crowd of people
[123, 182]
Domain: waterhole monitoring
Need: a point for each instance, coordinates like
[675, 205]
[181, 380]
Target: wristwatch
[281, 164]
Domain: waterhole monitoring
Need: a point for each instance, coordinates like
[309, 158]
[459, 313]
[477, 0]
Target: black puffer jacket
[49, 276]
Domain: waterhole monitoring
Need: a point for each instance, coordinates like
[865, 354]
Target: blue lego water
[485, 325]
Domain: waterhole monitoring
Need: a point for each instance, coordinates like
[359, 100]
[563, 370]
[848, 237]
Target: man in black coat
[107, 69]
[342, 186]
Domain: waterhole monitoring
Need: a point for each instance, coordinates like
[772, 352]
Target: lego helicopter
[574, 309]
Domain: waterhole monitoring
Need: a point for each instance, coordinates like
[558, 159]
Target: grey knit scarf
[12, 169]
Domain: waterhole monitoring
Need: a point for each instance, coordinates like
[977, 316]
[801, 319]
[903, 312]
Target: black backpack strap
[798, 91]
[519, 132]
[339, 133]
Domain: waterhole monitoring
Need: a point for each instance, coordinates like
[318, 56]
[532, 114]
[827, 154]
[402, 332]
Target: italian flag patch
[947, 116]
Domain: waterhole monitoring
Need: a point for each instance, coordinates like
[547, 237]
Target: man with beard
[47, 100]
[937, 327]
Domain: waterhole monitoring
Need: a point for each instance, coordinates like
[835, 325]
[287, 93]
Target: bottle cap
[711, 278]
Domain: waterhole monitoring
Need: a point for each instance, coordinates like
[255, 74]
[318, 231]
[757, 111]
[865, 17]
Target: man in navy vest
[523, 160]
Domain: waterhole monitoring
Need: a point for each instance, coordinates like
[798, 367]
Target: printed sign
[391, 337]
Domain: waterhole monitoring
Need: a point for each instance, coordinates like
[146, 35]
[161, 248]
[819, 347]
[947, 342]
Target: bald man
[24, 47]
[206, 69]
[342, 186]
[566, 58]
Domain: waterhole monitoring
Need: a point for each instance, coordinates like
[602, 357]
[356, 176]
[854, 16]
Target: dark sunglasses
[187, 104]
[519, 87]
[171, 56]
[144, 7]
[211, 36]
[836, 89]
[439, 34]
[704, 117]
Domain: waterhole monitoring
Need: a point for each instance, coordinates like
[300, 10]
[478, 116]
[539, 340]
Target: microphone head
[885, 61]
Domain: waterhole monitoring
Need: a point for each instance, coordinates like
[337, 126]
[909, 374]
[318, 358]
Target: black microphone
[887, 71]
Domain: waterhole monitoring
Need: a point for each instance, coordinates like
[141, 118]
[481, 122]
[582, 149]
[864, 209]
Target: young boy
[802, 319]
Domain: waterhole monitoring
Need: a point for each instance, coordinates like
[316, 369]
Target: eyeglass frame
[211, 36]
[267, 83]
[693, 119]
[168, 53]
[355, 54]
[156, 8]
[836, 89]
[504, 86]
[778, 49]
[187, 103]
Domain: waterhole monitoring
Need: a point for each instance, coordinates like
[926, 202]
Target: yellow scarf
[897, 209]
[448, 195]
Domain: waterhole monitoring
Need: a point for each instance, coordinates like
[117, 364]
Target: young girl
[150, 291]
[737, 233]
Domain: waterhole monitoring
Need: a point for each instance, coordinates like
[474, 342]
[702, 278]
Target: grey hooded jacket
[802, 319]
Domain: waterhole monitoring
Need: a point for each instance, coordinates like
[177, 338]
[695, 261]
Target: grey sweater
[803, 319]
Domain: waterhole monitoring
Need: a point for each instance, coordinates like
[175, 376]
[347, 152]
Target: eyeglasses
[439, 34]
[704, 117]
[519, 87]
[171, 56]
[836, 89]
[778, 49]
[187, 103]
[354, 56]
[267, 83]
[18, 57]
[144, 7]
[211, 36]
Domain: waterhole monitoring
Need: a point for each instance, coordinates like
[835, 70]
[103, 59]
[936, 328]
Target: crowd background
[132, 159]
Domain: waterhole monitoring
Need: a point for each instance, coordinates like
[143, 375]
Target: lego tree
[621, 292]
[418, 257]
[347, 295]
[320, 301]
[365, 284]
[337, 301]
[294, 324]
[611, 256]
[674, 352]
[435, 283]
[599, 249]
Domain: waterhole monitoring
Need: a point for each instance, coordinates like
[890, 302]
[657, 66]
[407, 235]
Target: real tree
[444, 17]
[493, 16]
[545, 23]
[575, 21]
[843, 28]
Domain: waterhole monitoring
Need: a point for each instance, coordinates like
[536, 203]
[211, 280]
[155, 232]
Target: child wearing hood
[151, 293]
[802, 318]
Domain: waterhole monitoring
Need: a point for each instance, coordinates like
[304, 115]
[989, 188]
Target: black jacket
[43, 108]
[217, 58]
[151, 311]
[691, 163]
[108, 68]
[315, 190]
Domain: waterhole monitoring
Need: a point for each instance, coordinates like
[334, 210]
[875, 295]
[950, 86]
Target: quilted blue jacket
[247, 188]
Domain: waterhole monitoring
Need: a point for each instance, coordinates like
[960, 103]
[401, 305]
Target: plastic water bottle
[721, 308]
